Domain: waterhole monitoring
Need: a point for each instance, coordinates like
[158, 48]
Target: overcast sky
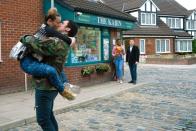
[189, 4]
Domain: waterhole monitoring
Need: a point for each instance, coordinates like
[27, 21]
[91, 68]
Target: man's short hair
[73, 28]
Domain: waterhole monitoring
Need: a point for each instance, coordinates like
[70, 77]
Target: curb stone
[84, 103]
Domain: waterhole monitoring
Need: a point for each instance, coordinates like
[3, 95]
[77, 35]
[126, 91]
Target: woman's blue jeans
[119, 67]
[35, 68]
[44, 101]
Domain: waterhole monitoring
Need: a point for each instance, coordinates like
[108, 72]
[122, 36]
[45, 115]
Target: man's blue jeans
[35, 68]
[133, 71]
[119, 67]
[44, 101]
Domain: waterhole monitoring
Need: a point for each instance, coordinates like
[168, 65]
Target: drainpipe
[52, 3]
[26, 83]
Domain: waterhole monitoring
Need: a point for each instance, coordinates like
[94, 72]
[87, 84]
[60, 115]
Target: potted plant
[101, 68]
[87, 71]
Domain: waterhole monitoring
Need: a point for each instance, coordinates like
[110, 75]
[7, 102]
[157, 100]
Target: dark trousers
[133, 71]
[44, 101]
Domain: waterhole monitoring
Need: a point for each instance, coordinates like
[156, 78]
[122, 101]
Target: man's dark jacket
[133, 56]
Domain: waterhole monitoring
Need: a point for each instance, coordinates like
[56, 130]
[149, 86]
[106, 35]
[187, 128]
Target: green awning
[85, 18]
[68, 13]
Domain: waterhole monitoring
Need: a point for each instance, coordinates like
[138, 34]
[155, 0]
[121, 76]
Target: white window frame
[179, 45]
[173, 23]
[194, 16]
[0, 43]
[145, 19]
[165, 45]
[191, 24]
[144, 52]
[195, 35]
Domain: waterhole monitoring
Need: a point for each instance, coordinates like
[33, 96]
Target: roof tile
[96, 8]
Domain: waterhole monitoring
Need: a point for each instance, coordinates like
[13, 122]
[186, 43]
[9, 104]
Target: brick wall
[173, 61]
[17, 17]
[151, 46]
[74, 73]
[74, 76]
[21, 17]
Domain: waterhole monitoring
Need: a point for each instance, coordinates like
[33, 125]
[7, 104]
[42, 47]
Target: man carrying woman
[45, 63]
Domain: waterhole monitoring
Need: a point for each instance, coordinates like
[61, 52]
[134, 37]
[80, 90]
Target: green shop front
[95, 39]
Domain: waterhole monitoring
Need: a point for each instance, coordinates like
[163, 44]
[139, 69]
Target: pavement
[164, 99]
[18, 109]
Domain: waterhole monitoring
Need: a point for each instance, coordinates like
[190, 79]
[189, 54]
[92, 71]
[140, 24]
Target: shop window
[106, 44]
[0, 43]
[162, 46]
[89, 46]
[106, 49]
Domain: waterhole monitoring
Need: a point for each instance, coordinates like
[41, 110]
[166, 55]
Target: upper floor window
[148, 19]
[142, 46]
[162, 46]
[174, 22]
[195, 34]
[195, 16]
[191, 24]
[183, 45]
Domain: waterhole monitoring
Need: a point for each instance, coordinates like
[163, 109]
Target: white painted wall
[163, 19]
[192, 15]
[153, 8]
[135, 14]
[148, 6]
[142, 8]
[182, 23]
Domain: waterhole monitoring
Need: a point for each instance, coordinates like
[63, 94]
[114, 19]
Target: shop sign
[108, 21]
[102, 21]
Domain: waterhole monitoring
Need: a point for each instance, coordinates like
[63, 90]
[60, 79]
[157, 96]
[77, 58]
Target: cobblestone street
[166, 103]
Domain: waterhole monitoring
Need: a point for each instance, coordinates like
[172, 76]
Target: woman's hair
[73, 28]
[52, 14]
[118, 42]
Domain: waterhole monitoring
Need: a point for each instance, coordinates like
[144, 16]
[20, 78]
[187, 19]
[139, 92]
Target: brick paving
[166, 103]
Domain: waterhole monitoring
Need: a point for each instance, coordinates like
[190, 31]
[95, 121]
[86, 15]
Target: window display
[89, 45]
[106, 49]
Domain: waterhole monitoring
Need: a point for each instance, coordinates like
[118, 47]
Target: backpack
[17, 52]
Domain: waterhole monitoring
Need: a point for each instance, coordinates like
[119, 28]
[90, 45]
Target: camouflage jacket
[53, 50]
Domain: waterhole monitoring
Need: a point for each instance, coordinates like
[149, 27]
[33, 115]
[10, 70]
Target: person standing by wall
[118, 53]
[132, 57]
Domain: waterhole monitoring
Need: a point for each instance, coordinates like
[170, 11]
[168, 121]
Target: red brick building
[17, 17]
[162, 30]
[21, 17]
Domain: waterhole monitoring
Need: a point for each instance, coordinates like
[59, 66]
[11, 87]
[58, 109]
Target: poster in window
[106, 49]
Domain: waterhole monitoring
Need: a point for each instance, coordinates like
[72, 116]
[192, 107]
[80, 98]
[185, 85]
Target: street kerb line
[82, 104]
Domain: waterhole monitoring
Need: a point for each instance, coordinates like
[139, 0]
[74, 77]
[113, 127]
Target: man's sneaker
[68, 94]
[73, 88]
